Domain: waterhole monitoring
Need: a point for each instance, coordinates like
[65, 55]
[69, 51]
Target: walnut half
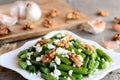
[117, 37]
[49, 23]
[53, 13]
[63, 43]
[27, 26]
[49, 56]
[87, 46]
[4, 30]
[102, 13]
[74, 15]
[77, 59]
[43, 41]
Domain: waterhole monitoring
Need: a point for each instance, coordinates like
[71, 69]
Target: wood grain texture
[18, 34]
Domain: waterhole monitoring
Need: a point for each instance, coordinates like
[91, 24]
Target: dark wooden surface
[88, 7]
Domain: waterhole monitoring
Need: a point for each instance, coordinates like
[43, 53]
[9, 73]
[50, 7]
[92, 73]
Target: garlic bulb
[7, 20]
[25, 11]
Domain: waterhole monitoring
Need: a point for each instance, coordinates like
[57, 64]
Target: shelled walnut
[117, 20]
[87, 46]
[77, 59]
[102, 13]
[4, 30]
[63, 43]
[44, 41]
[117, 37]
[49, 23]
[49, 56]
[74, 15]
[27, 26]
[53, 13]
[68, 36]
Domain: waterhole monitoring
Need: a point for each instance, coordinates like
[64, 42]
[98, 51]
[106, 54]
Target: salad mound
[63, 57]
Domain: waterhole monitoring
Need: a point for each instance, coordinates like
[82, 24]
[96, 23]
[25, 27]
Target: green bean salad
[63, 57]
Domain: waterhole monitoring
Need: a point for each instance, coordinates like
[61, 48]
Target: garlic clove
[18, 10]
[7, 20]
[33, 12]
[94, 26]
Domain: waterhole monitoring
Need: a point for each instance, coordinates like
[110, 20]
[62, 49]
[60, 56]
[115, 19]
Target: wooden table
[88, 7]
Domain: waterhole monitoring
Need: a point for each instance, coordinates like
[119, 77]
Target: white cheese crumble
[29, 55]
[70, 72]
[56, 41]
[68, 78]
[79, 50]
[57, 60]
[28, 62]
[61, 51]
[80, 57]
[50, 46]
[56, 73]
[70, 43]
[73, 51]
[39, 58]
[38, 48]
[39, 73]
[66, 55]
[74, 65]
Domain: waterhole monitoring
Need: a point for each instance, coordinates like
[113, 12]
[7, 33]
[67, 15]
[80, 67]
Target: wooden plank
[45, 5]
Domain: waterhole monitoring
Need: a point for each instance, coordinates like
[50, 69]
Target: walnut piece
[49, 56]
[117, 37]
[4, 30]
[87, 46]
[43, 41]
[74, 15]
[68, 36]
[27, 26]
[63, 43]
[117, 20]
[77, 59]
[49, 23]
[53, 13]
[102, 13]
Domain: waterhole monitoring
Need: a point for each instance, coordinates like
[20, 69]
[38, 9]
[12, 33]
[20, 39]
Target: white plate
[9, 60]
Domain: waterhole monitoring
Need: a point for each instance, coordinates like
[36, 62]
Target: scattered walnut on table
[4, 30]
[74, 15]
[27, 26]
[102, 13]
[117, 37]
[77, 59]
[49, 56]
[49, 23]
[63, 43]
[117, 20]
[43, 41]
[87, 46]
[53, 13]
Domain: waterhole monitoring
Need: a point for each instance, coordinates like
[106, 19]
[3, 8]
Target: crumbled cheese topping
[68, 78]
[56, 73]
[70, 72]
[50, 46]
[39, 73]
[39, 58]
[57, 60]
[70, 43]
[79, 50]
[38, 48]
[73, 51]
[56, 41]
[61, 51]
[28, 62]
[29, 55]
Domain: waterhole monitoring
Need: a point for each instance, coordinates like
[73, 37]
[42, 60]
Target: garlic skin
[7, 20]
[94, 26]
[18, 10]
[25, 11]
